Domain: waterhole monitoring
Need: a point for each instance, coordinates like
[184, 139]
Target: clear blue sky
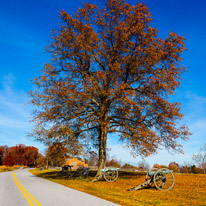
[25, 29]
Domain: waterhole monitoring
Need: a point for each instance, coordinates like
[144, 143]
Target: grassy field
[189, 189]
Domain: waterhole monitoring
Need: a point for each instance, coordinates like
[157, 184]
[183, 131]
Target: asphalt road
[21, 188]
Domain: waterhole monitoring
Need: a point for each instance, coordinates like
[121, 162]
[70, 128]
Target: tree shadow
[143, 188]
[70, 175]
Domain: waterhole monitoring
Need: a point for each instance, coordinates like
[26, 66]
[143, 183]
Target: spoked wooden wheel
[164, 179]
[110, 175]
[150, 175]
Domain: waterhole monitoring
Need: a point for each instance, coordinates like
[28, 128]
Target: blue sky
[25, 30]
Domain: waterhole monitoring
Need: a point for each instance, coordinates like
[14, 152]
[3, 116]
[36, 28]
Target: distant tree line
[57, 153]
[19, 155]
[187, 167]
[184, 168]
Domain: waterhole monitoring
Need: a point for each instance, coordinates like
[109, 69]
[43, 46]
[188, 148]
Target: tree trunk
[102, 151]
[47, 163]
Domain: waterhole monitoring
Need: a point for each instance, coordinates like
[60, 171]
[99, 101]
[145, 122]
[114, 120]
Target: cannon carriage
[110, 174]
[162, 179]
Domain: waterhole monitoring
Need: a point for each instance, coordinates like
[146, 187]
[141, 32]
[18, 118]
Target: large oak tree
[110, 73]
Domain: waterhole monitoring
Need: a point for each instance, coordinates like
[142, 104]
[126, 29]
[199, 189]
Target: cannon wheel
[147, 177]
[164, 179]
[110, 175]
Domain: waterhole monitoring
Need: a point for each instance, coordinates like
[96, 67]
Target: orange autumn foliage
[18, 155]
[110, 73]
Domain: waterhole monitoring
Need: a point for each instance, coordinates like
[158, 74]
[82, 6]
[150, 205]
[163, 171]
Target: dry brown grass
[4, 168]
[189, 189]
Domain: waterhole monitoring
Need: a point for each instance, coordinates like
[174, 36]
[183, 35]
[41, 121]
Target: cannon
[81, 172]
[110, 174]
[162, 179]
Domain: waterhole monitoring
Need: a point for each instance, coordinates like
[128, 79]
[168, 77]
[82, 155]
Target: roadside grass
[189, 189]
[4, 168]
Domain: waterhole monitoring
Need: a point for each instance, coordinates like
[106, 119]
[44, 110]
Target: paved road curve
[21, 188]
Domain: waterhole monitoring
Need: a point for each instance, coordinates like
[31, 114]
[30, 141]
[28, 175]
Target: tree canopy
[56, 154]
[18, 155]
[110, 73]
